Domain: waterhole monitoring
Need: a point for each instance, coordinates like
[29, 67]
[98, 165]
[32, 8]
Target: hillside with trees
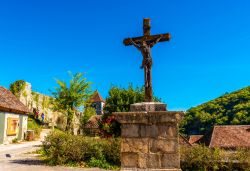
[229, 109]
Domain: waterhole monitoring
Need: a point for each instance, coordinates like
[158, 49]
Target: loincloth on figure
[147, 63]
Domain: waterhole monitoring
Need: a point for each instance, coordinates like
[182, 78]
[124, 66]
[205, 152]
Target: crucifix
[144, 45]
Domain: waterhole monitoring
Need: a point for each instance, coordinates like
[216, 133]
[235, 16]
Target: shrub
[14, 141]
[242, 159]
[201, 157]
[109, 126]
[61, 148]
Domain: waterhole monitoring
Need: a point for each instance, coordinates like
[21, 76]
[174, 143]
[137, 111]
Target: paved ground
[18, 157]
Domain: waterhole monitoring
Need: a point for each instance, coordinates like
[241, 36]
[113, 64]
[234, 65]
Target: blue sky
[207, 56]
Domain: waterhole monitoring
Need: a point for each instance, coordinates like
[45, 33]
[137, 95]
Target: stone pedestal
[149, 138]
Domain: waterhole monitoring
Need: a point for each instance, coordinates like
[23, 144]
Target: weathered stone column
[149, 138]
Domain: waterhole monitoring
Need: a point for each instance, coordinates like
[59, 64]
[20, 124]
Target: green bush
[202, 158]
[61, 148]
[15, 140]
[242, 158]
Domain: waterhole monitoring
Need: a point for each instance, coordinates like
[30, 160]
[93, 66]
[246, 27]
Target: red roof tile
[231, 136]
[9, 103]
[194, 138]
[183, 141]
[96, 97]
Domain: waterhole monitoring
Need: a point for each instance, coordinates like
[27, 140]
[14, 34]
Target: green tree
[17, 87]
[69, 97]
[119, 100]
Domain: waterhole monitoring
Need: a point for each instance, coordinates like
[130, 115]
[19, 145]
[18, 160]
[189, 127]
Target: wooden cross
[144, 44]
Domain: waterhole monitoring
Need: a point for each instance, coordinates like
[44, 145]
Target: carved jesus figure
[145, 49]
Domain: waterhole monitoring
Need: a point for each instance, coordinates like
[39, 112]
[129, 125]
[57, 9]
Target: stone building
[13, 117]
[97, 102]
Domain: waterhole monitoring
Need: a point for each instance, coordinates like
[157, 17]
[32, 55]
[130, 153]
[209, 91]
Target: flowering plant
[109, 126]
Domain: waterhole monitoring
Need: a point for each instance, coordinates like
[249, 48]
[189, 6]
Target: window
[12, 126]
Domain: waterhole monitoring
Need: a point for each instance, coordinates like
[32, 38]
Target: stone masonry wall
[149, 138]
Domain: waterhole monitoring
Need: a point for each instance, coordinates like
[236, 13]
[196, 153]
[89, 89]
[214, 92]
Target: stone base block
[148, 106]
[149, 138]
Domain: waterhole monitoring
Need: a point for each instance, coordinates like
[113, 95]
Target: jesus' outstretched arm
[156, 41]
[136, 45]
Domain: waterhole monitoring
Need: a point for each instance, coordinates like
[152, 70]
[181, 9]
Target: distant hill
[229, 109]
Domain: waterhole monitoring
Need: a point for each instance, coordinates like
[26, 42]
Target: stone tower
[97, 102]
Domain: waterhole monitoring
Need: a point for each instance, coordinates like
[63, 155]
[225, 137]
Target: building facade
[13, 117]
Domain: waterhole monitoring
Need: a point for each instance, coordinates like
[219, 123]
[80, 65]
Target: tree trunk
[69, 125]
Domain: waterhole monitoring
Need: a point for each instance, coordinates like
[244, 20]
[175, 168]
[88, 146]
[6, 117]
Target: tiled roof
[93, 122]
[9, 103]
[231, 136]
[194, 138]
[96, 97]
[183, 141]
